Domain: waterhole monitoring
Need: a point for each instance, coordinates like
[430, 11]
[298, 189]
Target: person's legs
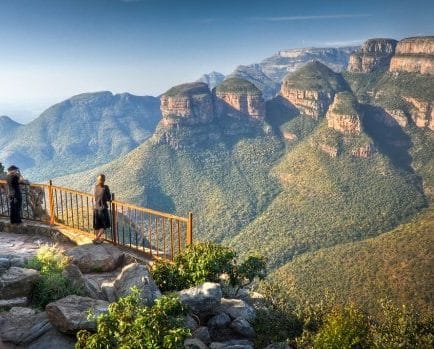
[15, 210]
[99, 235]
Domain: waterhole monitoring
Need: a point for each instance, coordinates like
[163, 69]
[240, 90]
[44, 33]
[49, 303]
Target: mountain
[322, 164]
[397, 265]
[81, 132]
[212, 79]
[7, 127]
[269, 73]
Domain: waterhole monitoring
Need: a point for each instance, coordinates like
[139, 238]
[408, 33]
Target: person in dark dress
[14, 179]
[101, 218]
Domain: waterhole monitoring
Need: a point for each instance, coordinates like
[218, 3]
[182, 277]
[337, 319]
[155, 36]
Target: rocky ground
[106, 274]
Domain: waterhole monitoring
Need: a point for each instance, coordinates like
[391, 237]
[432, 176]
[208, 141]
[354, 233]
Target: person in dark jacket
[101, 218]
[14, 179]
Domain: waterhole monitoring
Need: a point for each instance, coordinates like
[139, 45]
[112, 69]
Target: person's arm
[22, 180]
[108, 194]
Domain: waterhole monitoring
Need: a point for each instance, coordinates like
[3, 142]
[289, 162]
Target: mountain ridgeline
[331, 163]
[79, 133]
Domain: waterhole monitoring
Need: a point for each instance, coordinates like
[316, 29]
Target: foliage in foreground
[129, 323]
[52, 285]
[325, 325]
[207, 261]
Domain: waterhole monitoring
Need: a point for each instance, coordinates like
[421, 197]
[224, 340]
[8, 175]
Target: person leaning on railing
[101, 218]
[14, 179]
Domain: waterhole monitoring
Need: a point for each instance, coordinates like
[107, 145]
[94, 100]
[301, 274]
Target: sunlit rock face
[414, 55]
[373, 55]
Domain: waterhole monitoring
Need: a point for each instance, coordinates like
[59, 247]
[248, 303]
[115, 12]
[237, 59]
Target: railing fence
[155, 233]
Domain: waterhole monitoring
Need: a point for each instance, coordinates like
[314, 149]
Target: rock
[190, 323]
[237, 308]
[414, 55]
[194, 343]
[73, 273]
[69, 314]
[232, 344]
[14, 302]
[311, 89]
[17, 282]
[421, 112]
[95, 258]
[136, 275]
[365, 151]
[187, 104]
[202, 333]
[212, 79]
[281, 345]
[53, 339]
[238, 97]
[343, 115]
[21, 326]
[242, 327]
[202, 299]
[221, 320]
[4, 264]
[373, 55]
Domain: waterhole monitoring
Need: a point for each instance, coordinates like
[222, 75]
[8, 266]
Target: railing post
[190, 229]
[114, 225]
[51, 201]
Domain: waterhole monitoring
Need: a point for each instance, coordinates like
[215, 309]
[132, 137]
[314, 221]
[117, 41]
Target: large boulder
[232, 344]
[70, 314]
[237, 308]
[96, 258]
[21, 326]
[221, 320]
[242, 327]
[133, 275]
[202, 299]
[53, 339]
[17, 282]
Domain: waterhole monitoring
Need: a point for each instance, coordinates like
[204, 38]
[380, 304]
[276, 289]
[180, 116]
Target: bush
[129, 323]
[52, 285]
[206, 261]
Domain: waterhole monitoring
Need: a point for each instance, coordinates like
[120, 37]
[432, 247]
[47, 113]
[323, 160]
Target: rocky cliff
[189, 104]
[414, 55]
[237, 97]
[343, 116]
[421, 112]
[212, 79]
[268, 74]
[7, 127]
[374, 54]
[311, 88]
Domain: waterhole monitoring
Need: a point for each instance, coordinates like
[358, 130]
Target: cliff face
[311, 88]
[421, 112]
[414, 55]
[240, 98]
[342, 115]
[187, 104]
[374, 54]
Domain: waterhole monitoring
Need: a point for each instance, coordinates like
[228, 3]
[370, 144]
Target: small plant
[206, 261]
[51, 285]
[129, 323]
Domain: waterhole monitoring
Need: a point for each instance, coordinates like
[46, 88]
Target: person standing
[101, 218]
[14, 179]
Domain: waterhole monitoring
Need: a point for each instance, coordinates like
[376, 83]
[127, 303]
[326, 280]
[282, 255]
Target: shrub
[206, 261]
[343, 328]
[52, 285]
[401, 327]
[129, 323]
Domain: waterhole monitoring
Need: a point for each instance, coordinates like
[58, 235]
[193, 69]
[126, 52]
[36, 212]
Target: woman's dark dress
[15, 198]
[101, 218]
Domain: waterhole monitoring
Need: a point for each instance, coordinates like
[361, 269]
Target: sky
[53, 49]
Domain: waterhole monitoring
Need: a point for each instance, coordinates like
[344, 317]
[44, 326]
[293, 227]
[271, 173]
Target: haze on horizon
[53, 49]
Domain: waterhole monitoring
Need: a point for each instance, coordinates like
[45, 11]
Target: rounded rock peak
[239, 86]
[188, 89]
[379, 46]
[314, 76]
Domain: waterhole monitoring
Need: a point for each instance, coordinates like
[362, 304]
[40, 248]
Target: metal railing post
[190, 229]
[114, 223]
[51, 201]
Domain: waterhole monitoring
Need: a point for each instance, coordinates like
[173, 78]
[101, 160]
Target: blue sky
[53, 49]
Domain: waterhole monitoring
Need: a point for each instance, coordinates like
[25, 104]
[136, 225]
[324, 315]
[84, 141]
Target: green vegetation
[315, 76]
[237, 85]
[129, 323]
[328, 201]
[398, 265]
[363, 84]
[52, 285]
[188, 89]
[206, 261]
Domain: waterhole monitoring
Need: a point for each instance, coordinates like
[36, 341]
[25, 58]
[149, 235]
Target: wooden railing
[158, 234]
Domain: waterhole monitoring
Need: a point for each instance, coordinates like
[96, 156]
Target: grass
[237, 85]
